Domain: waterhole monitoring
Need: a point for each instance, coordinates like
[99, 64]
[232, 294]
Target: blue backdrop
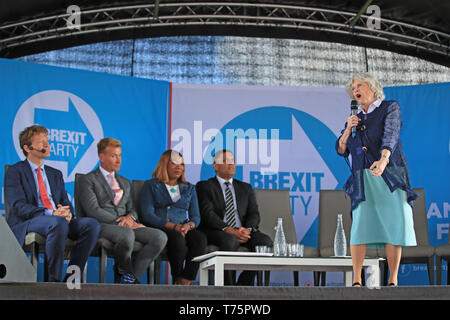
[79, 108]
[426, 140]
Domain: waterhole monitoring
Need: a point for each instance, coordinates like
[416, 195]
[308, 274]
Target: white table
[227, 260]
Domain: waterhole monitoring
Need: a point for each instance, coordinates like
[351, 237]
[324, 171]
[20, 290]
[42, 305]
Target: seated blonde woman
[169, 202]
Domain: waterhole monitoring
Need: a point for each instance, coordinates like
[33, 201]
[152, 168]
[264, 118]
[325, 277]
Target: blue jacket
[157, 206]
[22, 196]
[378, 130]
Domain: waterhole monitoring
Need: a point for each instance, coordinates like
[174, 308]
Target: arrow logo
[300, 157]
[74, 130]
[65, 144]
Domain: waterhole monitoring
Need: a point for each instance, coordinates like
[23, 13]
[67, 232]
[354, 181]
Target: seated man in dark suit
[229, 213]
[106, 196]
[38, 200]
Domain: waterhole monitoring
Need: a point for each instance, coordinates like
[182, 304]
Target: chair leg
[84, 275]
[35, 255]
[266, 278]
[102, 261]
[316, 278]
[45, 268]
[259, 278]
[296, 278]
[157, 272]
[438, 270]
[430, 266]
[323, 278]
[150, 272]
[448, 272]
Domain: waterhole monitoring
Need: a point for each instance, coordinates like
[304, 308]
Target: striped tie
[229, 207]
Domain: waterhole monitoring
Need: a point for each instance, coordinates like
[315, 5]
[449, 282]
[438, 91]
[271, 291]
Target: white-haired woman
[379, 187]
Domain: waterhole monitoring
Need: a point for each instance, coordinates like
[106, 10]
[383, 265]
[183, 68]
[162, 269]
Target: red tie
[43, 191]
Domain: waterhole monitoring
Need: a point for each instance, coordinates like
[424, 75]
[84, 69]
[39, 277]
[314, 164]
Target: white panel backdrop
[287, 131]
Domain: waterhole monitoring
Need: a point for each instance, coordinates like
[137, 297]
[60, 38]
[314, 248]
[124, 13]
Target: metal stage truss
[222, 18]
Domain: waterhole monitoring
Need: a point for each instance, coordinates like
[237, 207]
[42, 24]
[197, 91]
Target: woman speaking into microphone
[379, 187]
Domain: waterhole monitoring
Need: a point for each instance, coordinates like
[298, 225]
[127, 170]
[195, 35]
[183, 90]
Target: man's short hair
[107, 142]
[219, 155]
[28, 133]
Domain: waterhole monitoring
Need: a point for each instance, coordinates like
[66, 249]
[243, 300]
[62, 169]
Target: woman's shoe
[356, 284]
[392, 284]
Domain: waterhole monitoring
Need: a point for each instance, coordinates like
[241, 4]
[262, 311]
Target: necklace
[172, 189]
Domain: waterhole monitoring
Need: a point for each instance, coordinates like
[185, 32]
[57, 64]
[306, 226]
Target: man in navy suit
[38, 200]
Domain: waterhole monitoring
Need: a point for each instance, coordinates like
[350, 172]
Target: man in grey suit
[106, 196]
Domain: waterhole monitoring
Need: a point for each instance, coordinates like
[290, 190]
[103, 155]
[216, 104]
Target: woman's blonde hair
[160, 171]
[373, 83]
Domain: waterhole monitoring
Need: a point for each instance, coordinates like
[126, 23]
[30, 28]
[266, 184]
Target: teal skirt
[384, 217]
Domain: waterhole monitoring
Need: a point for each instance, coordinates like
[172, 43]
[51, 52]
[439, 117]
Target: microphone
[31, 148]
[354, 111]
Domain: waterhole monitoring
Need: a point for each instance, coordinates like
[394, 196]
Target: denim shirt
[377, 130]
[157, 206]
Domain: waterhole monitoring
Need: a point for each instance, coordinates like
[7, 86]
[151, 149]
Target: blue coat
[379, 130]
[22, 196]
[157, 206]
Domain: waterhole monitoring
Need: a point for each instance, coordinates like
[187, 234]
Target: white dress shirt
[108, 178]
[372, 107]
[174, 192]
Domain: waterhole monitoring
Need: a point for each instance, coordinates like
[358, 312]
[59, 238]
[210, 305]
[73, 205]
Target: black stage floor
[116, 301]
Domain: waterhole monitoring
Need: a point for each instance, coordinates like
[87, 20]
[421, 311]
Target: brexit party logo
[73, 130]
[275, 147]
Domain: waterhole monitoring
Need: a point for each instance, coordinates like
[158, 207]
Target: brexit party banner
[79, 108]
[283, 138]
[425, 134]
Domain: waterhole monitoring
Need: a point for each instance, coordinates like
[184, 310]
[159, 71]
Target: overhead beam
[224, 18]
[156, 10]
[359, 14]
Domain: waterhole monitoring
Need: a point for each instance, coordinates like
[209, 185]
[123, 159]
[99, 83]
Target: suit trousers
[123, 238]
[56, 229]
[181, 248]
[228, 242]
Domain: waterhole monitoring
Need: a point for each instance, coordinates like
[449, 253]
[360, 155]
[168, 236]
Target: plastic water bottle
[279, 245]
[340, 243]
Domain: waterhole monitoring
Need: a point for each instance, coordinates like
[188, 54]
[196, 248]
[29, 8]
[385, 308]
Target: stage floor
[60, 291]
